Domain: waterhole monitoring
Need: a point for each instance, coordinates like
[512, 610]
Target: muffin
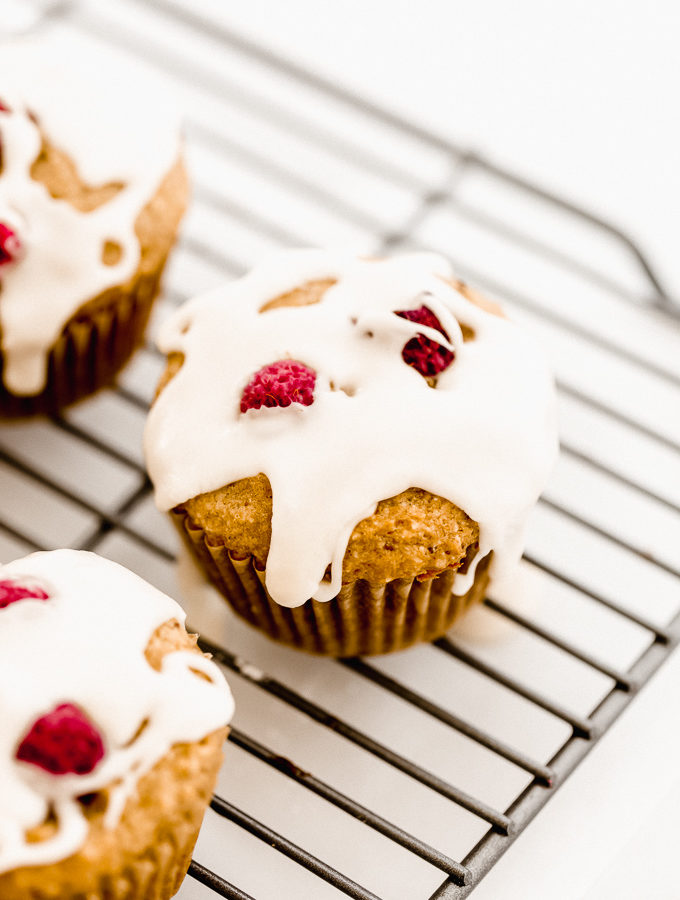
[92, 190]
[350, 447]
[112, 729]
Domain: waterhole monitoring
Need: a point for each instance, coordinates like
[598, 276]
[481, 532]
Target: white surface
[579, 96]
[621, 844]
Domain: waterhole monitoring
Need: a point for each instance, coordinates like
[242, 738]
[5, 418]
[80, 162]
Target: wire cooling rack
[413, 773]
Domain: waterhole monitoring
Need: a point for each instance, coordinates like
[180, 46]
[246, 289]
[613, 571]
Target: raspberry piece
[4, 107]
[279, 384]
[62, 742]
[425, 355]
[12, 591]
[10, 245]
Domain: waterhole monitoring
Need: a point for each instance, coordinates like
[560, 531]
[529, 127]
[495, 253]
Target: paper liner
[363, 619]
[146, 856]
[93, 346]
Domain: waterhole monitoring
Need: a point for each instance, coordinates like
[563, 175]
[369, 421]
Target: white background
[583, 97]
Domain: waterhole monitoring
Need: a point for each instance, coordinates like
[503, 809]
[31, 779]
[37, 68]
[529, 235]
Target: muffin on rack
[112, 729]
[350, 447]
[92, 190]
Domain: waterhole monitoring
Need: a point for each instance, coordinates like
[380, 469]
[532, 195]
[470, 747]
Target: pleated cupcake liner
[363, 619]
[92, 348]
[154, 871]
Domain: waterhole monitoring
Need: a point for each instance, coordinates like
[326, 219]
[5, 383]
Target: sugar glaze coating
[484, 438]
[116, 129]
[85, 645]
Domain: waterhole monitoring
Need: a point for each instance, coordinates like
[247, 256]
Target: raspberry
[11, 591]
[425, 355]
[62, 742]
[279, 384]
[10, 245]
[4, 107]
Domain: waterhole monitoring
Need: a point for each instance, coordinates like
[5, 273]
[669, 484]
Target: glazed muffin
[92, 190]
[350, 447]
[112, 729]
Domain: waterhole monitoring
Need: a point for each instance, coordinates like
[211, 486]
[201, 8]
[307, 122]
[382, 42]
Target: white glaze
[485, 438]
[85, 645]
[116, 128]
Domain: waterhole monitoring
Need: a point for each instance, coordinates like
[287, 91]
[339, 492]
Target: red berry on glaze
[3, 107]
[10, 245]
[425, 355]
[12, 591]
[279, 384]
[63, 742]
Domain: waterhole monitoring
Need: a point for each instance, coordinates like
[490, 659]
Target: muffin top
[86, 140]
[344, 402]
[98, 681]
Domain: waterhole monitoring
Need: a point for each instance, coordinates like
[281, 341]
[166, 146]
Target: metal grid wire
[281, 157]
